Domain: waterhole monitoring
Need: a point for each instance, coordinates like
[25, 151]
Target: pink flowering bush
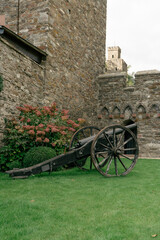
[37, 126]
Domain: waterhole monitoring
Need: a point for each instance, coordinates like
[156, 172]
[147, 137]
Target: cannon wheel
[114, 151]
[78, 135]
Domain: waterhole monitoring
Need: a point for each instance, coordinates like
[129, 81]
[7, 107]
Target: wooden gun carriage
[113, 151]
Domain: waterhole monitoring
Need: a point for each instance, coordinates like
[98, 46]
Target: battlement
[138, 103]
[114, 52]
[114, 62]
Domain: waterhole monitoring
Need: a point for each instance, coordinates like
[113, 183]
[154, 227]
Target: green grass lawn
[78, 205]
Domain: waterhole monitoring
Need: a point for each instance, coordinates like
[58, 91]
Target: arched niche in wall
[141, 112]
[154, 110]
[155, 116]
[128, 112]
[105, 112]
[116, 112]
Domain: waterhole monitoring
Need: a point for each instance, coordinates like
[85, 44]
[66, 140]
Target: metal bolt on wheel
[114, 151]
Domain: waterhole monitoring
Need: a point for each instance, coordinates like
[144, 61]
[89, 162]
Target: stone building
[55, 51]
[139, 103]
[72, 34]
[114, 62]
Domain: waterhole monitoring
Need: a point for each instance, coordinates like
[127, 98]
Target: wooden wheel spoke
[107, 138]
[121, 139]
[122, 163]
[114, 137]
[127, 149]
[127, 141]
[123, 155]
[115, 164]
[101, 153]
[114, 151]
[105, 146]
[109, 164]
[104, 162]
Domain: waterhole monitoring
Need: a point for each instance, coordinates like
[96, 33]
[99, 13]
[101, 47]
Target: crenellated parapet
[140, 103]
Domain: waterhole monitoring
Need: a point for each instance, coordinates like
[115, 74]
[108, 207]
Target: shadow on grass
[138, 171]
[69, 173]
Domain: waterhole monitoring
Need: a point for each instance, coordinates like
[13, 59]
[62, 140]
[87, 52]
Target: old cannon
[113, 151]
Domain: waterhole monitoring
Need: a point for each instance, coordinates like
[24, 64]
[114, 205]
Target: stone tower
[114, 62]
[73, 35]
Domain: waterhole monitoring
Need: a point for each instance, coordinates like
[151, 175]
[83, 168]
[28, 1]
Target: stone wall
[140, 104]
[73, 34]
[23, 81]
[33, 21]
[76, 54]
[9, 10]
[28, 18]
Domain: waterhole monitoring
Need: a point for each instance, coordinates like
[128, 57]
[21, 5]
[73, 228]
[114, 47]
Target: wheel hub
[114, 151]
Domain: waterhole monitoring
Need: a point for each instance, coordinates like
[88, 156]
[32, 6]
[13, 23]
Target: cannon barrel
[118, 131]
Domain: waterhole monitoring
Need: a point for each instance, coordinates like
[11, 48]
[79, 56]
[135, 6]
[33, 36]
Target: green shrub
[9, 156]
[15, 164]
[34, 127]
[37, 155]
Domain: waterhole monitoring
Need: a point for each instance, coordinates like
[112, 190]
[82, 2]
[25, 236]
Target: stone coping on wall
[129, 89]
[112, 75]
[22, 45]
[147, 72]
[124, 74]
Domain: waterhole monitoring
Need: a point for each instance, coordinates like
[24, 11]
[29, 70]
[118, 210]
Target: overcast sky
[134, 26]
